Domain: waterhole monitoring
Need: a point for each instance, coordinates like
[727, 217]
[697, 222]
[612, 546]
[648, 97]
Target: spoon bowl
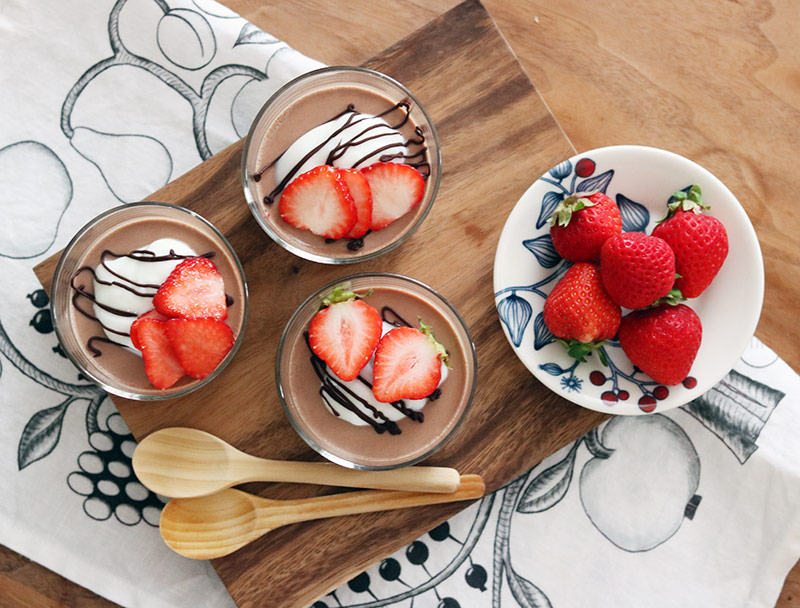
[185, 463]
[213, 526]
[221, 522]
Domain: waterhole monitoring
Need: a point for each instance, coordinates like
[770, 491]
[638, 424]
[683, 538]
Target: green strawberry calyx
[342, 293]
[575, 202]
[686, 200]
[580, 350]
[428, 331]
[673, 298]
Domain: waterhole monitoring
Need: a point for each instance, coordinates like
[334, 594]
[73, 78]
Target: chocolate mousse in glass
[137, 244]
[343, 421]
[358, 117]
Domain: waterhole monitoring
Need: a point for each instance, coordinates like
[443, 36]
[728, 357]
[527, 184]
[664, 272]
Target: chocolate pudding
[373, 118]
[93, 309]
[334, 417]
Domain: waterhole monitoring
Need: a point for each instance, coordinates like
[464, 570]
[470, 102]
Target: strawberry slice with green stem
[345, 332]
[408, 364]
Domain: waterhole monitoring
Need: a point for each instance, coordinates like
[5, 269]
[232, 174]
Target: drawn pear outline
[31, 222]
[115, 154]
[638, 496]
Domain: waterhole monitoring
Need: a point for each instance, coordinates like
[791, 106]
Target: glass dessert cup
[275, 117]
[361, 447]
[121, 371]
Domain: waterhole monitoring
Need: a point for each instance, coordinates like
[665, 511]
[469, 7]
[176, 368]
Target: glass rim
[339, 460]
[114, 390]
[253, 204]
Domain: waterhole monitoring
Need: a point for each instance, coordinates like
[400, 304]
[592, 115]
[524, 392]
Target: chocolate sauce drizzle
[416, 160]
[333, 390]
[139, 289]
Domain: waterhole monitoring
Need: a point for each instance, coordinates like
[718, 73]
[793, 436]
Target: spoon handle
[410, 479]
[271, 515]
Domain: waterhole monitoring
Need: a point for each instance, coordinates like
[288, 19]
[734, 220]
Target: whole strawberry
[699, 241]
[579, 312]
[637, 269]
[581, 224]
[662, 341]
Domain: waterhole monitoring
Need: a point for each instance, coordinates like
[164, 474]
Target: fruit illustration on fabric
[639, 496]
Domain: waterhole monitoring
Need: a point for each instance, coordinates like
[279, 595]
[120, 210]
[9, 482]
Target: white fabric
[735, 552]
[577, 530]
[129, 131]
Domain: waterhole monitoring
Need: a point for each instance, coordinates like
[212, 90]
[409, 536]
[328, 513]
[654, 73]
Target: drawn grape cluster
[107, 480]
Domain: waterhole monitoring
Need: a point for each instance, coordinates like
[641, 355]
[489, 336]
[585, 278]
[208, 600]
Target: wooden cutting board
[497, 137]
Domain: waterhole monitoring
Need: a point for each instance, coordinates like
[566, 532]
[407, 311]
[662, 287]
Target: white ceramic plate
[640, 180]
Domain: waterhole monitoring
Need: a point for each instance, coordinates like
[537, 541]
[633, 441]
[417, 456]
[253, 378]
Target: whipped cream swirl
[350, 141]
[124, 285]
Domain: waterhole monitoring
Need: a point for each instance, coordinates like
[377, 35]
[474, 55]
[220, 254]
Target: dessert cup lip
[339, 459]
[253, 204]
[116, 390]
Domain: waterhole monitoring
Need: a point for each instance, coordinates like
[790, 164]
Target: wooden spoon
[217, 525]
[185, 463]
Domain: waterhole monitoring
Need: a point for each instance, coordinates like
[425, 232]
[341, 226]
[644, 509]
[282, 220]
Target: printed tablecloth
[103, 103]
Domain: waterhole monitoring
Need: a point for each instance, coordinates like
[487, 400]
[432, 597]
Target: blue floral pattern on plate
[619, 387]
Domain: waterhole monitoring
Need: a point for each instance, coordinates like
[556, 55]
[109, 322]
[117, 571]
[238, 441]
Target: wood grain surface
[608, 76]
[514, 421]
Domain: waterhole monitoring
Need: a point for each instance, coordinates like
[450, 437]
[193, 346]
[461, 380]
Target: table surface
[726, 95]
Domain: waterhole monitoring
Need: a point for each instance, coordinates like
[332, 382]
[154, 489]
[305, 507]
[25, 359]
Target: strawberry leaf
[440, 349]
[580, 350]
[673, 298]
[563, 212]
[342, 293]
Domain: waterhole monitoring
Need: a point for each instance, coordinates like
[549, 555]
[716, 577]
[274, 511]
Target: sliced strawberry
[160, 363]
[199, 344]
[362, 198]
[407, 364]
[150, 314]
[193, 290]
[396, 189]
[345, 334]
[319, 201]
